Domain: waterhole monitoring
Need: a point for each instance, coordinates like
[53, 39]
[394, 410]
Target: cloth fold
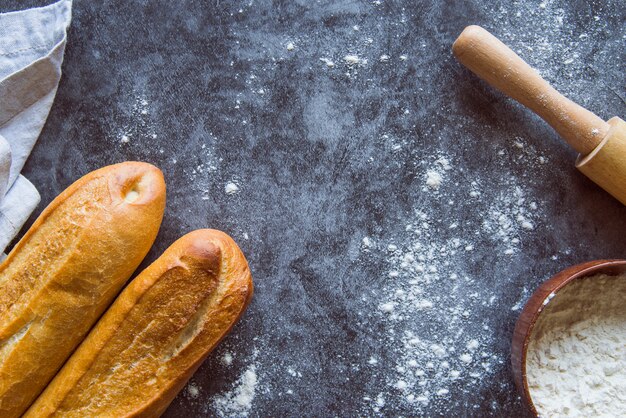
[32, 44]
[19, 202]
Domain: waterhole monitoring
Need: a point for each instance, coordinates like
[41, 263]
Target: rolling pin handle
[495, 63]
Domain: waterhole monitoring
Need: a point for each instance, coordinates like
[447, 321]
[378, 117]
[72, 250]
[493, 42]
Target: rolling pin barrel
[602, 145]
[495, 63]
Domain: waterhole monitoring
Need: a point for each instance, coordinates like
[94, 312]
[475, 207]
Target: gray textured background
[327, 156]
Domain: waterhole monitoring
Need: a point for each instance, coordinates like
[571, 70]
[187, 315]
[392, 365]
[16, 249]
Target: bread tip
[200, 246]
[138, 182]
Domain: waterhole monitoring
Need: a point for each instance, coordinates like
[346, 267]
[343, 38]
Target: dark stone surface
[209, 83]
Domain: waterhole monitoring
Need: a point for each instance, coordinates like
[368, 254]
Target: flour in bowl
[576, 360]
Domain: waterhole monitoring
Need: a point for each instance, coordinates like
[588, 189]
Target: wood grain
[495, 63]
[606, 165]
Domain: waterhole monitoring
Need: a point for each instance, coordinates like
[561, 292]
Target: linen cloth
[32, 43]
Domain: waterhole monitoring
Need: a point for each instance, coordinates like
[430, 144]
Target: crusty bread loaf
[67, 269]
[156, 334]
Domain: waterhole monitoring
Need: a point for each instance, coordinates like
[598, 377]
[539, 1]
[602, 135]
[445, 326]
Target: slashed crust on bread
[156, 334]
[67, 269]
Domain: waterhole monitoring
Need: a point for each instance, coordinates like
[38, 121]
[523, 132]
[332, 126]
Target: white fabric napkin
[32, 43]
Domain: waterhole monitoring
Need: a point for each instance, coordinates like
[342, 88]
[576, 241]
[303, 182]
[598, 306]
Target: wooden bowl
[536, 304]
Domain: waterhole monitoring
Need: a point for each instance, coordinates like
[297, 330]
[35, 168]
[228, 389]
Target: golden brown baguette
[67, 269]
[156, 334]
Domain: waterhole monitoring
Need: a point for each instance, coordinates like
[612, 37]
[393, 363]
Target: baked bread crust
[66, 270]
[156, 334]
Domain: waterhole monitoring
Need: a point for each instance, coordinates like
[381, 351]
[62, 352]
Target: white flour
[437, 316]
[544, 36]
[238, 401]
[576, 362]
[227, 359]
[353, 60]
[192, 390]
[433, 179]
[136, 123]
[231, 188]
[329, 63]
[442, 344]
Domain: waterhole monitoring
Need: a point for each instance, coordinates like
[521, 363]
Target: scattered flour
[231, 188]
[440, 344]
[427, 363]
[433, 179]
[238, 401]
[387, 307]
[201, 175]
[353, 60]
[227, 359]
[561, 50]
[136, 122]
[329, 63]
[434, 176]
[576, 360]
[510, 214]
[192, 391]
[443, 344]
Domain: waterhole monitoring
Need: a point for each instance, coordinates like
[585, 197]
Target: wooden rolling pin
[602, 145]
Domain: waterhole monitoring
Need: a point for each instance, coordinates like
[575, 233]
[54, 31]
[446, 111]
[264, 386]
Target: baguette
[156, 334]
[67, 269]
